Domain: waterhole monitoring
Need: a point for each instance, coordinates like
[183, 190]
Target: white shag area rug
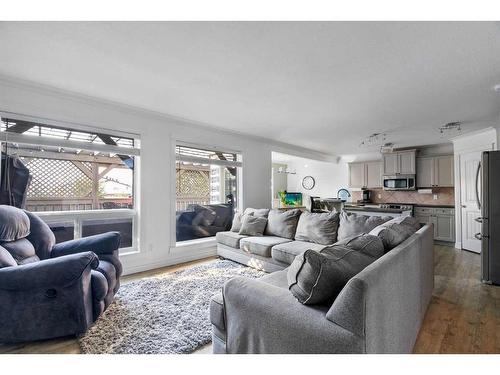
[168, 314]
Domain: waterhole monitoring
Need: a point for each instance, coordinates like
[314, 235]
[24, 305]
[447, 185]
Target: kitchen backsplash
[445, 196]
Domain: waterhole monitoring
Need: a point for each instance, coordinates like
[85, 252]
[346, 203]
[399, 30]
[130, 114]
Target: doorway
[469, 185]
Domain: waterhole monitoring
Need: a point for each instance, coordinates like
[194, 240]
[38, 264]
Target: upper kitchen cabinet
[365, 175]
[400, 162]
[374, 174]
[357, 175]
[435, 171]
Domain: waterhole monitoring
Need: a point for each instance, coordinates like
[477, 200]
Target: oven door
[399, 183]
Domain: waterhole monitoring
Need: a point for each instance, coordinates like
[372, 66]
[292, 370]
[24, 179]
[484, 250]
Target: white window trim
[78, 216]
[208, 242]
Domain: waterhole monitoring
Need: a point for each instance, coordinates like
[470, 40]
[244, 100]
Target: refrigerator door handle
[477, 186]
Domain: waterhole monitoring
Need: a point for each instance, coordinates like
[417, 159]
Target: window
[206, 191]
[80, 182]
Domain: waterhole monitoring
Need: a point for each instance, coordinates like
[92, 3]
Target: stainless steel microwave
[399, 182]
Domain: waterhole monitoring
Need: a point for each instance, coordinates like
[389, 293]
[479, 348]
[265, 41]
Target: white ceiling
[321, 85]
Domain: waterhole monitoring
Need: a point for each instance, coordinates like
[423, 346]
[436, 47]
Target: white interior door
[470, 210]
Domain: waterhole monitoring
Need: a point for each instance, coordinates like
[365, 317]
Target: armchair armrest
[263, 318]
[59, 272]
[100, 244]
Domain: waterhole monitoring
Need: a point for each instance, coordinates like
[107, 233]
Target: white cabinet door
[444, 173]
[425, 172]
[391, 164]
[407, 162]
[444, 228]
[357, 175]
[374, 174]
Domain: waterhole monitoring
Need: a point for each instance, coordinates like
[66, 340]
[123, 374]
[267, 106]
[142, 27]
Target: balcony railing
[181, 204]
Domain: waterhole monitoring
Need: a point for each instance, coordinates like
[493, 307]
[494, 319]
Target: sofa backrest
[386, 302]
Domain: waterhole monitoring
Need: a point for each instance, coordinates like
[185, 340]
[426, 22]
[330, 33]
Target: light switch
[434, 196]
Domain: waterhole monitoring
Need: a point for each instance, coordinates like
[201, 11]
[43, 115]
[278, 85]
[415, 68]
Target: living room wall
[329, 177]
[158, 133]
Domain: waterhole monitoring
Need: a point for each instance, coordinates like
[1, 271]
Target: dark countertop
[373, 209]
[436, 205]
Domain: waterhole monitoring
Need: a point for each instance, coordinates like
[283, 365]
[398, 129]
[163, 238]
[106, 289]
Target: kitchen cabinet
[435, 171]
[365, 175]
[400, 162]
[374, 174]
[443, 220]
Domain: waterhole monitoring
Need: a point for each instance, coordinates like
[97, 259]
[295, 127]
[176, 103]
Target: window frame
[77, 217]
[208, 241]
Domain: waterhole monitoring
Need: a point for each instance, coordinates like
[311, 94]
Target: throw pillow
[14, 224]
[366, 243]
[318, 278]
[253, 225]
[238, 217]
[282, 223]
[257, 211]
[318, 228]
[352, 224]
[392, 234]
[204, 216]
[406, 220]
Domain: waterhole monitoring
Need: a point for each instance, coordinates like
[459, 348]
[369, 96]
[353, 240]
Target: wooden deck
[463, 317]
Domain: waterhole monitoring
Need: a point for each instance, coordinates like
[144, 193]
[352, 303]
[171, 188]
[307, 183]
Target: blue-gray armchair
[51, 290]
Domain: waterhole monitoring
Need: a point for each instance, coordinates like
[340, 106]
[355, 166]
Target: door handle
[479, 219]
[478, 236]
[477, 188]
[464, 206]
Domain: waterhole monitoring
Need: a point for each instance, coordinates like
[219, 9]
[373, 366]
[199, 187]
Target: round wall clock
[308, 182]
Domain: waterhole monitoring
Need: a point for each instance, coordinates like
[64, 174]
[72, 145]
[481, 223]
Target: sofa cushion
[6, 259]
[14, 224]
[352, 224]
[231, 239]
[252, 225]
[366, 243]
[282, 223]
[238, 217]
[392, 234]
[286, 252]
[22, 251]
[317, 278]
[261, 245]
[319, 228]
[256, 211]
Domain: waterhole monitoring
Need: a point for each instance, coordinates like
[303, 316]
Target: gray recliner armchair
[51, 290]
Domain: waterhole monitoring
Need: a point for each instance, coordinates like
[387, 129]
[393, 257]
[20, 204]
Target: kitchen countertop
[373, 209]
[435, 205]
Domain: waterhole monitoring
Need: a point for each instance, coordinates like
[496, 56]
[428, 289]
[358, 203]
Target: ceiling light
[450, 127]
[375, 139]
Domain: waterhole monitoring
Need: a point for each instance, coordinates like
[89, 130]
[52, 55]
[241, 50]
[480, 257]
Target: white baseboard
[458, 244]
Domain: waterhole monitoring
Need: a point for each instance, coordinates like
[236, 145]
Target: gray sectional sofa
[379, 310]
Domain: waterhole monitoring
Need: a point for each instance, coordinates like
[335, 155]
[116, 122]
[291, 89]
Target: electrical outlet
[434, 196]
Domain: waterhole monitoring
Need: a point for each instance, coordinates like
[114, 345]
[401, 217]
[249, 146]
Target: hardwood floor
[463, 317]
[464, 314]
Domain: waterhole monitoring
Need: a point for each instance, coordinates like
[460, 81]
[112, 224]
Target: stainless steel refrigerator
[489, 203]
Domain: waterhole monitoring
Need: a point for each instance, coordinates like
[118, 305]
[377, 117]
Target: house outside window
[206, 191]
[82, 182]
